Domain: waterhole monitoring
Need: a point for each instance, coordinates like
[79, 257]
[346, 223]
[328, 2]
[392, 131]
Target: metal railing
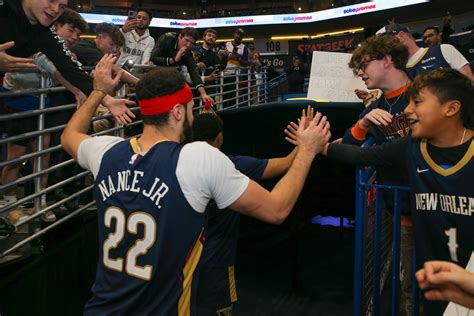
[246, 86]
[377, 247]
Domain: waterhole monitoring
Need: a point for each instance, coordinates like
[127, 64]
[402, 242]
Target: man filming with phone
[138, 42]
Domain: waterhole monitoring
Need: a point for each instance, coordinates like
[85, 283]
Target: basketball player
[217, 290]
[439, 157]
[151, 194]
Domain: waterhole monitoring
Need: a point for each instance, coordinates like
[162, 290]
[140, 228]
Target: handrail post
[249, 88]
[237, 78]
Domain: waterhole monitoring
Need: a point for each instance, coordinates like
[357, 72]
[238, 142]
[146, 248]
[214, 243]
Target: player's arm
[466, 70]
[390, 154]
[274, 206]
[105, 80]
[456, 60]
[278, 166]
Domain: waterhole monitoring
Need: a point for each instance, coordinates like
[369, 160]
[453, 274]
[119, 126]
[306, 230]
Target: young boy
[439, 159]
[216, 289]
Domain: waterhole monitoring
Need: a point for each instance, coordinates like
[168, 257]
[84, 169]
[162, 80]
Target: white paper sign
[331, 79]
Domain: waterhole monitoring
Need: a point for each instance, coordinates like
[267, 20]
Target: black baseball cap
[240, 31]
[392, 29]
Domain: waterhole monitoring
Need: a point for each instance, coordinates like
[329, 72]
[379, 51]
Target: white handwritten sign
[331, 79]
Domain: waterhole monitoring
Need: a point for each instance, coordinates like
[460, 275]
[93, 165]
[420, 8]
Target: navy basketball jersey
[431, 60]
[216, 268]
[150, 238]
[442, 209]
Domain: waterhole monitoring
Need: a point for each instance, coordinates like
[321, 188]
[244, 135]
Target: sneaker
[16, 216]
[49, 216]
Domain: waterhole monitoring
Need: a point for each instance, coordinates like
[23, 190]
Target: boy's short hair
[447, 85]
[112, 31]
[190, 31]
[207, 126]
[377, 47]
[73, 18]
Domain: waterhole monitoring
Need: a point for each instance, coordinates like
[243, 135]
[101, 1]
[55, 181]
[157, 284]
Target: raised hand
[106, 76]
[315, 136]
[9, 63]
[130, 25]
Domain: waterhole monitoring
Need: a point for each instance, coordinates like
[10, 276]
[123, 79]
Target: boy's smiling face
[427, 115]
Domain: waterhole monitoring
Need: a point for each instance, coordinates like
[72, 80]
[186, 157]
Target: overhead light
[299, 8]
[361, 29]
[88, 36]
[289, 37]
[245, 39]
[184, 12]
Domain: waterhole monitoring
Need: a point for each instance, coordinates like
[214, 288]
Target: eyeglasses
[363, 65]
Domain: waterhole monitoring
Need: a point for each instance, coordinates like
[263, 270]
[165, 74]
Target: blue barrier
[361, 305]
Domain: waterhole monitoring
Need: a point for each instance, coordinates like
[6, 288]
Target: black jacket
[165, 50]
[30, 39]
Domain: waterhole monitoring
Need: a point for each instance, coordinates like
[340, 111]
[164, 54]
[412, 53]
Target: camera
[132, 14]
[128, 65]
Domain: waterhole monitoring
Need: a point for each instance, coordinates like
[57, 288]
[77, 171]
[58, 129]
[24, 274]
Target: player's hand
[308, 113]
[106, 76]
[130, 25]
[447, 281]
[377, 117]
[361, 94]
[313, 139]
[9, 63]
[292, 128]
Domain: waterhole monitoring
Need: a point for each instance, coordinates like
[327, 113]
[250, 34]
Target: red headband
[163, 104]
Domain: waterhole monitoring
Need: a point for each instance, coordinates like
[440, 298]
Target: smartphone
[132, 14]
[128, 65]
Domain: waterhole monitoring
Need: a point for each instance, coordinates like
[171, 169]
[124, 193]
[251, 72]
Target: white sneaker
[49, 216]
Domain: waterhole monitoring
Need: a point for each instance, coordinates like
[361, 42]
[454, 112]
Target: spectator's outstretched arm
[9, 63]
[275, 206]
[106, 78]
[446, 281]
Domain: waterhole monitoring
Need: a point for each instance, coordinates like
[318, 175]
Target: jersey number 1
[140, 247]
[452, 243]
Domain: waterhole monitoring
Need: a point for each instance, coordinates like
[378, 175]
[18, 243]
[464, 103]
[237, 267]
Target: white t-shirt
[454, 58]
[203, 172]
